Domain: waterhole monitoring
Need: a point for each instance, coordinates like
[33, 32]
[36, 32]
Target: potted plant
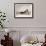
[2, 19]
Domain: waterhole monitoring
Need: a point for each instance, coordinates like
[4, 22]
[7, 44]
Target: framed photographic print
[23, 10]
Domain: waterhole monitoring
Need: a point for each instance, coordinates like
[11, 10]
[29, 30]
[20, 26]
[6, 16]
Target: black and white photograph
[23, 9]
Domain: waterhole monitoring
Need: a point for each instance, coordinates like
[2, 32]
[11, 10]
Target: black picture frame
[20, 8]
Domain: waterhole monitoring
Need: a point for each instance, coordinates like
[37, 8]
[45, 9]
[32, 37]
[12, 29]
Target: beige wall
[39, 13]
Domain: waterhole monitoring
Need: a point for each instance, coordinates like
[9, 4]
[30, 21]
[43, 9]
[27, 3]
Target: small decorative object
[7, 30]
[2, 18]
[23, 9]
